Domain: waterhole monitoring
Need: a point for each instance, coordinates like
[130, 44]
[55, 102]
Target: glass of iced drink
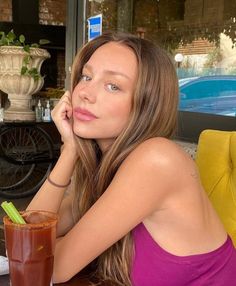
[30, 248]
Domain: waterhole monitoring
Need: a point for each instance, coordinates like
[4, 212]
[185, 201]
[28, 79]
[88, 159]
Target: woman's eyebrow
[109, 72]
[116, 73]
[88, 67]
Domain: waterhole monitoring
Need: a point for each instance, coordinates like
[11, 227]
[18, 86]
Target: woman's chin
[83, 133]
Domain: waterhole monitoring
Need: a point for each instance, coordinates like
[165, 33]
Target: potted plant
[20, 77]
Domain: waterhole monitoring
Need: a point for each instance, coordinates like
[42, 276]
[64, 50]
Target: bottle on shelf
[39, 112]
[47, 112]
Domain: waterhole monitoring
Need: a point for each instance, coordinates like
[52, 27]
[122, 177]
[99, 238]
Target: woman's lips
[83, 114]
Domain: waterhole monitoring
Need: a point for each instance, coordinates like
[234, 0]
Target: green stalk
[12, 212]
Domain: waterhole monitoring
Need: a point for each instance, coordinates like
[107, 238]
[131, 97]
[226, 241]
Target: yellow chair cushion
[216, 160]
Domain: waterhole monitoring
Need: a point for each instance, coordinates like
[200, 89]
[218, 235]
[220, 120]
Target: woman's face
[102, 98]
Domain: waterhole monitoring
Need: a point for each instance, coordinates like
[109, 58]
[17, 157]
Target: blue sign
[94, 26]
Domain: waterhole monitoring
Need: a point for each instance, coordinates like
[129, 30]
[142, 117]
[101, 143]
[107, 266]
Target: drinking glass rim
[53, 218]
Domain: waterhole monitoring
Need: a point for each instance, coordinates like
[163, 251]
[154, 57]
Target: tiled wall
[5, 11]
[52, 12]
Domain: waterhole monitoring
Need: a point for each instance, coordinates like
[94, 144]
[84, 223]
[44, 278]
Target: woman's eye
[113, 87]
[85, 77]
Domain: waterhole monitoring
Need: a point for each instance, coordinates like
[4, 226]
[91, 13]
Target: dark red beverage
[30, 248]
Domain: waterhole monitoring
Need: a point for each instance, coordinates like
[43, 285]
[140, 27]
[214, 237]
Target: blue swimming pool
[209, 94]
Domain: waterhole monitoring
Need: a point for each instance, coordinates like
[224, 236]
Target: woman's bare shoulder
[161, 151]
[160, 159]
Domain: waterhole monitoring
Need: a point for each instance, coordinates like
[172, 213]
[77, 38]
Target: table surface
[76, 281]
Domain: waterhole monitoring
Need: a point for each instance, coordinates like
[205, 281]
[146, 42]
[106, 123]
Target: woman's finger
[66, 96]
[69, 113]
[64, 102]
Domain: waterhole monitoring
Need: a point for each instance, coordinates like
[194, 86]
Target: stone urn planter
[18, 86]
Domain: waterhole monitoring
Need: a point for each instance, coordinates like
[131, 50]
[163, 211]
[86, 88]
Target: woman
[135, 202]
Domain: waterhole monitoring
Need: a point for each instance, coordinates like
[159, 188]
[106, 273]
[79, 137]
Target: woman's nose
[88, 93]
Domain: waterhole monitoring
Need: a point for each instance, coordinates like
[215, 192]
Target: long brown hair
[153, 113]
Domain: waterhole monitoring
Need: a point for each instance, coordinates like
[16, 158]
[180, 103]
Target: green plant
[10, 39]
[213, 58]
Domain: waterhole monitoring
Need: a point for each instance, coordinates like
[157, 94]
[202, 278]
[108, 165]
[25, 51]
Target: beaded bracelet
[57, 185]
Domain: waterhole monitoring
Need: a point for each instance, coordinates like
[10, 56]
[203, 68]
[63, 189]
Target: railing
[192, 72]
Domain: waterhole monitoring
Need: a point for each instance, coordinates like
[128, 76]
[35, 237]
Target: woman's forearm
[49, 197]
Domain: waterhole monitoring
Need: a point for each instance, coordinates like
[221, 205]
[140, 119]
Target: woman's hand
[62, 117]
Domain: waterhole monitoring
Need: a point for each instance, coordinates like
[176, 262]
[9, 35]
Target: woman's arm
[66, 219]
[137, 190]
[50, 197]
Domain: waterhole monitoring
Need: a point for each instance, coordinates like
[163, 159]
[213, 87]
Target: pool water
[220, 105]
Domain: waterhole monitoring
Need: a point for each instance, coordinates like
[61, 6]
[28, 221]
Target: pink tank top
[153, 266]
